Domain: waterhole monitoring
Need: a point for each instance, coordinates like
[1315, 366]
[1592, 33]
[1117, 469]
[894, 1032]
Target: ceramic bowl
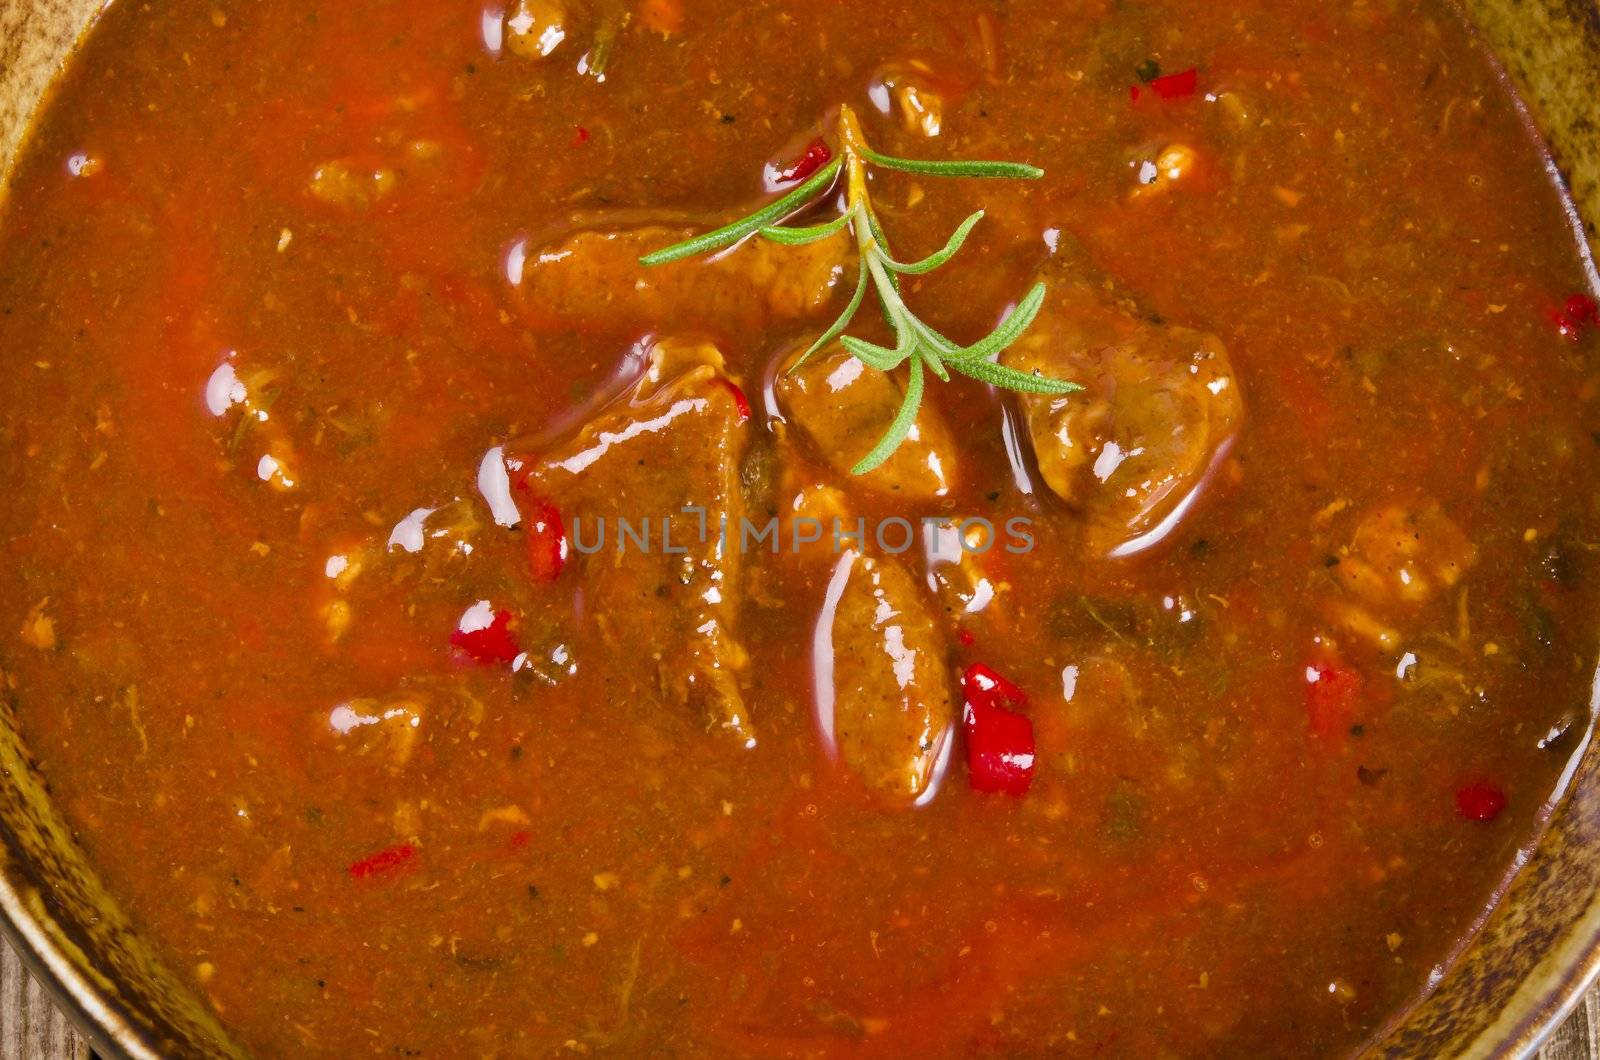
[1526, 970]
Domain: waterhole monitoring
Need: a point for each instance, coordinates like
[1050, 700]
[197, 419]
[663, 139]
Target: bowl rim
[112, 1033]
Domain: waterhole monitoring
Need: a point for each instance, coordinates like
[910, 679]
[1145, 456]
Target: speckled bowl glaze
[1524, 972]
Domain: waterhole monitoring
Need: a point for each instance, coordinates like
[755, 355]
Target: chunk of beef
[1400, 557]
[241, 395]
[843, 407]
[350, 185]
[1404, 554]
[1159, 411]
[959, 566]
[669, 601]
[885, 700]
[385, 729]
[388, 728]
[534, 29]
[910, 91]
[592, 281]
[431, 544]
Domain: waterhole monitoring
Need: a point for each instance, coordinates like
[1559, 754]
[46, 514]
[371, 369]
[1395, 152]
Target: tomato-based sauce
[328, 357]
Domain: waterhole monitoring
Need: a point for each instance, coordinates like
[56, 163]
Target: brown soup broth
[271, 286]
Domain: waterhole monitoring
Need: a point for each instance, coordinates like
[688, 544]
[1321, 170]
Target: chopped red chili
[1565, 326]
[484, 635]
[813, 158]
[580, 136]
[1000, 747]
[384, 862]
[1333, 698]
[1573, 316]
[1178, 85]
[547, 536]
[1480, 801]
[740, 401]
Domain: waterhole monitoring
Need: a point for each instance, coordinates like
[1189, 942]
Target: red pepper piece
[547, 536]
[966, 638]
[484, 635]
[1583, 309]
[1134, 93]
[816, 155]
[384, 862]
[1480, 801]
[986, 689]
[580, 136]
[1178, 85]
[1000, 747]
[1333, 698]
[1575, 314]
[740, 402]
[1565, 326]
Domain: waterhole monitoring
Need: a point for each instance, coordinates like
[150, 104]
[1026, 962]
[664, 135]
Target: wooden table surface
[32, 1029]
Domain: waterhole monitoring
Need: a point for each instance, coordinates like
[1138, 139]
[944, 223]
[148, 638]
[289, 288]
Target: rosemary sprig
[917, 345]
